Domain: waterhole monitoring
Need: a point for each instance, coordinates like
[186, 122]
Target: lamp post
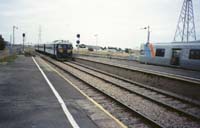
[12, 37]
[10, 40]
[148, 41]
[148, 34]
[14, 27]
[23, 35]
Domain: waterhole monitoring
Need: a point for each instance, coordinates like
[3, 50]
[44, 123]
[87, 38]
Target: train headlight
[60, 50]
[69, 51]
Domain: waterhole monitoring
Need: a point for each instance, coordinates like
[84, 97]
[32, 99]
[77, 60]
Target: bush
[82, 46]
[2, 43]
[127, 50]
[90, 49]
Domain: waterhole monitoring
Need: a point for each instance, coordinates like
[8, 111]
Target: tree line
[2, 43]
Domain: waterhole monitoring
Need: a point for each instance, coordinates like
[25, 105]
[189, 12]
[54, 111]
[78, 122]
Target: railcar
[176, 54]
[58, 49]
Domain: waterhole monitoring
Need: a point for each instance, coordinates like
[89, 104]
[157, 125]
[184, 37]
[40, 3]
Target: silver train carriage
[59, 49]
[177, 54]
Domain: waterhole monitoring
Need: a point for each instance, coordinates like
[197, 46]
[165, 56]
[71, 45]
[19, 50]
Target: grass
[29, 52]
[8, 59]
[104, 53]
[5, 56]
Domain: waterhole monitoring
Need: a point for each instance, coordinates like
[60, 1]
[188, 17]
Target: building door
[176, 54]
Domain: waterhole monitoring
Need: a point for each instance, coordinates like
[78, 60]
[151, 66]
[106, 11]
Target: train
[59, 49]
[176, 54]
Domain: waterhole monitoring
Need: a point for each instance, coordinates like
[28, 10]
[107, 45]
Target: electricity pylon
[40, 35]
[185, 30]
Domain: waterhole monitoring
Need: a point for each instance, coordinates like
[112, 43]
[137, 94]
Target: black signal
[78, 41]
[78, 35]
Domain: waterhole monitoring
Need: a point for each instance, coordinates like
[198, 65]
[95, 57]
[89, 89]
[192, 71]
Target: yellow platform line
[93, 101]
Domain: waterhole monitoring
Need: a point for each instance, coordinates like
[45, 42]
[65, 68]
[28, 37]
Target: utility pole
[185, 30]
[96, 35]
[10, 45]
[13, 35]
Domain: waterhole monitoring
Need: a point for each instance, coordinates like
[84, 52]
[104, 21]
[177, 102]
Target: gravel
[154, 111]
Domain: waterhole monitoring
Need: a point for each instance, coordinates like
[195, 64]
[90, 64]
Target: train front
[64, 51]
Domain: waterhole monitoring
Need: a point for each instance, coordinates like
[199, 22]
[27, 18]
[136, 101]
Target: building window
[160, 52]
[195, 54]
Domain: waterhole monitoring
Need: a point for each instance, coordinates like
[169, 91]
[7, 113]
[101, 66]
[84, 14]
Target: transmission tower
[40, 35]
[185, 30]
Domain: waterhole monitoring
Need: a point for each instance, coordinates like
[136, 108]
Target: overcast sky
[117, 22]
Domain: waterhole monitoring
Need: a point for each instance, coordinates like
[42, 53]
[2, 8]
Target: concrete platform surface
[26, 100]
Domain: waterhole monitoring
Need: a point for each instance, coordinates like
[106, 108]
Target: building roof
[179, 43]
[61, 42]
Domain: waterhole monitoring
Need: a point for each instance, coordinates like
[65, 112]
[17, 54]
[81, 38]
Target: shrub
[2, 43]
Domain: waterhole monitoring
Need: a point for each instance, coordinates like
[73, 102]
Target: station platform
[161, 69]
[27, 101]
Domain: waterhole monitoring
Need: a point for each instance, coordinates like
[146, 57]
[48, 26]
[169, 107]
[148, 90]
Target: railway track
[131, 118]
[150, 71]
[164, 81]
[140, 106]
[183, 106]
[173, 71]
